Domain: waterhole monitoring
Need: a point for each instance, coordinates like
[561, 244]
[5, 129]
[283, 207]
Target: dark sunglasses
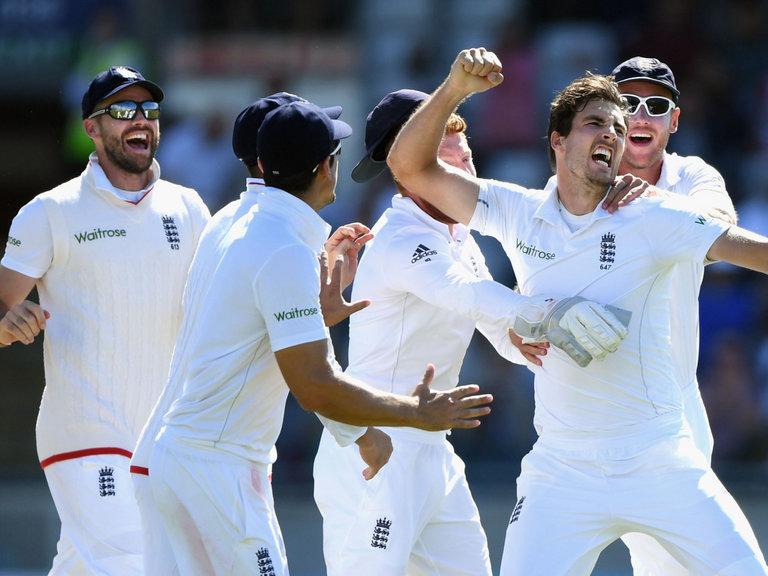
[126, 110]
[654, 105]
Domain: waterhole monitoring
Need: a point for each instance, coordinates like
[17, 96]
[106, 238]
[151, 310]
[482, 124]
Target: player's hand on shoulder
[375, 449]
[22, 323]
[459, 407]
[625, 189]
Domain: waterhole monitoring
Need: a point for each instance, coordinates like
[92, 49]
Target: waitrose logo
[98, 234]
[530, 250]
[295, 313]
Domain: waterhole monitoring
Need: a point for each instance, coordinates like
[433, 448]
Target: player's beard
[118, 155]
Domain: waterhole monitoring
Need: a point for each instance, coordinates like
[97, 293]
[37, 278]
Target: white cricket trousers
[571, 505]
[158, 553]
[415, 517]
[649, 558]
[218, 513]
[100, 523]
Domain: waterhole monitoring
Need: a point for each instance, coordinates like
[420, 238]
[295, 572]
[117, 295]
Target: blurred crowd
[716, 49]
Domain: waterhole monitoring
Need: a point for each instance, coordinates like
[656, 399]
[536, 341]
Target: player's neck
[123, 179]
[650, 174]
[577, 195]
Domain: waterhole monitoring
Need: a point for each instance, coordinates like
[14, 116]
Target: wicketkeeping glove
[583, 329]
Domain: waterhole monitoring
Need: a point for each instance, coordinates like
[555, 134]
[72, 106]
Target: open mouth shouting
[640, 138]
[603, 156]
[138, 141]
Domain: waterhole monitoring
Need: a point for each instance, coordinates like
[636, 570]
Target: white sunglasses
[654, 105]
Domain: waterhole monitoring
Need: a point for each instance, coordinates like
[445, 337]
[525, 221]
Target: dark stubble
[117, 154]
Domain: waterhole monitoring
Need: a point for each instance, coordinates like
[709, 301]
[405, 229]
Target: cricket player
[614, 452]
[158, 557]
[649, 87]
[427, 282]
[109, 253]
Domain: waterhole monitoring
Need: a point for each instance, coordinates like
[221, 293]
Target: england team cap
[248, 122]
[296, 137]
[649, 70]
[382, 124]
[107, 83]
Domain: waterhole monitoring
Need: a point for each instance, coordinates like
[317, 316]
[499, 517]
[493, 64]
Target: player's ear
[91, 127]
[326, 166]
[675, 116]
[556, 141]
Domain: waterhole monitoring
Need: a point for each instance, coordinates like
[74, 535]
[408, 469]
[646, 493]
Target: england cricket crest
[607, 251]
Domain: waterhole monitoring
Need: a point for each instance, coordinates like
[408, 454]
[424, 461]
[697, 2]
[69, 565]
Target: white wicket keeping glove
[583, 329]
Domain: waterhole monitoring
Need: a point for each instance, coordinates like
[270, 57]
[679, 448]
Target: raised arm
[413, 158]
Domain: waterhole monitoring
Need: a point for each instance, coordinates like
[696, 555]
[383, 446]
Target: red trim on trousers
[83, 453]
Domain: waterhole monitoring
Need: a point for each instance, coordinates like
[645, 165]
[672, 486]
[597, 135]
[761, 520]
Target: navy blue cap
[107, 83]
[648, 70]
[387, 117]
[249, 121]
[296, 137]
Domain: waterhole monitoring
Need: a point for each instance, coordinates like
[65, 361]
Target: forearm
[345, 399]
[483, 300]
[416, 146]
[742, 248]
[501, 342]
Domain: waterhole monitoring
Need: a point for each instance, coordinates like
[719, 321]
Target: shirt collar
[549, 209]
[256, 184]
[296, 213]
[100, 180]
[669, 174]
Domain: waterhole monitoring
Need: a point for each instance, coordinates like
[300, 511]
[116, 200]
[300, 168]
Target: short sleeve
[29, 249]
[288, 292]
[678, 233]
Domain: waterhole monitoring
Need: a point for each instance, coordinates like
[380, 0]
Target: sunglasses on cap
[335, 151]
[654, 105]
[126, 110]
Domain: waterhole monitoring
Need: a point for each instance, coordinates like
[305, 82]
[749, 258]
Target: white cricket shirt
[427, 292]
[263, 297]
[111, 273]
[198, 283]
[688, 176]
[625, 259]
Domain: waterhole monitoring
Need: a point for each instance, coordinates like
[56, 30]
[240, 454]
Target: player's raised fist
[476, 70]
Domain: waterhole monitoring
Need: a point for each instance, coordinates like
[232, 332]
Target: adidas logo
[518, 509]
[421, 253]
